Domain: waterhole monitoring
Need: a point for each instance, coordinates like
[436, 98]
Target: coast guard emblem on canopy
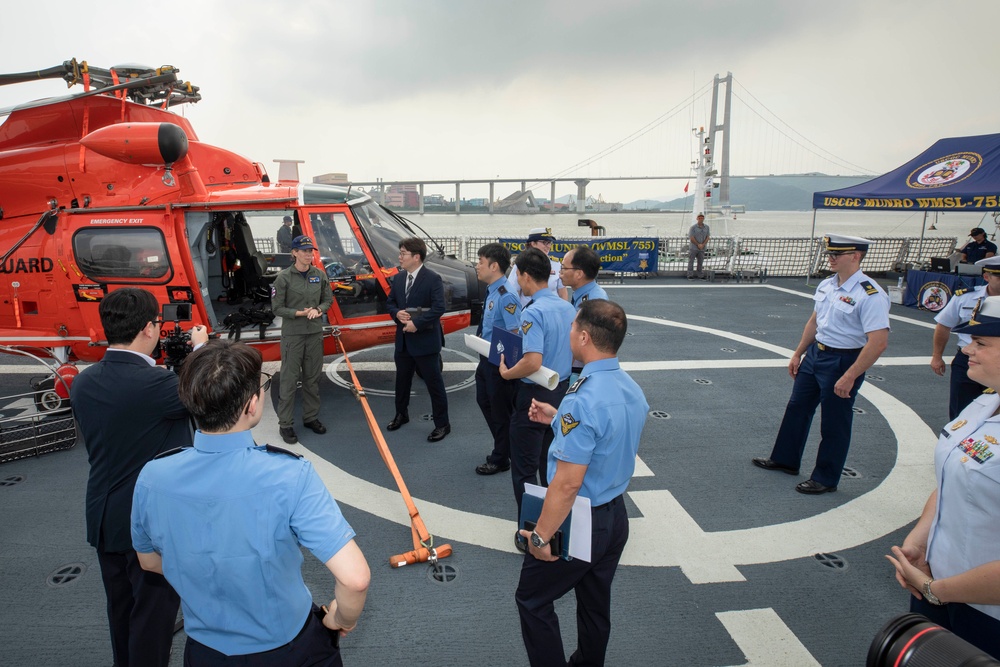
[934, 296]
[945, 171]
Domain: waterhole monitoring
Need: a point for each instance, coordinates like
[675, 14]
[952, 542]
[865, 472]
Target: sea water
[753, 223]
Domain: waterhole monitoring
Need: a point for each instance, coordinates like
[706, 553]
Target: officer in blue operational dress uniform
[950, 561]
[597, 429]
[958, 311]
[846, 334]
[224, 520]
[545, 325]
[579, 270]
[495, 395]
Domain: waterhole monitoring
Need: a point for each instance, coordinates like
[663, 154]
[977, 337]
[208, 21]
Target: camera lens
[910, 640]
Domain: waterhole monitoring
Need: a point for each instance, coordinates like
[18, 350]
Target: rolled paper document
[546, 377]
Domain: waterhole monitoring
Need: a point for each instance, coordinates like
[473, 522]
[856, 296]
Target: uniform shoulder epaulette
[869, 288]
[502, 289]
[278, 450]
[960, 292]
[170, 452]
[576, 385]
[989, 391]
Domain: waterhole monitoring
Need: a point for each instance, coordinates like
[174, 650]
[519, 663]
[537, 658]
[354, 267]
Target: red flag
[686, 186]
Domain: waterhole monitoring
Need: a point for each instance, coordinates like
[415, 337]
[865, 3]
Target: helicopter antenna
[406, 222]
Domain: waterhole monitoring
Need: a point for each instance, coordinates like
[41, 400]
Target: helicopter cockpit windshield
[383, 231]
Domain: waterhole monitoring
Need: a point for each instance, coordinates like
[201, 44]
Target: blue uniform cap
[835, 243]
[303, 243]
[985, 318]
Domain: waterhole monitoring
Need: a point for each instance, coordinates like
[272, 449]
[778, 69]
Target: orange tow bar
[424, 550]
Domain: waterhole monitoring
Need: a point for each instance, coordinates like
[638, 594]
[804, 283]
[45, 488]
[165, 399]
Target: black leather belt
[827, 348]
[610, 503]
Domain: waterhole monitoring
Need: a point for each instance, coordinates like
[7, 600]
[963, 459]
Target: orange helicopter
[108, 188]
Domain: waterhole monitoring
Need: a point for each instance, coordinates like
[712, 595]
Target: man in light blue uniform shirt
[597, 429]
[579, 271]
[545, 325]
[958, 311]
[848, 331]
[223, 522]
[495, 395]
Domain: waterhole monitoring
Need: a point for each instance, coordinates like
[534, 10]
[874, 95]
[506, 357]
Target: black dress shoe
[768, 464]
[288, 434]
[492, 468]
[316, 426]
[439, 433]
[812, 487]
[396, 422]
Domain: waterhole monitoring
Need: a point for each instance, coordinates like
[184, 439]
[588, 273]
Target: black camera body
[176, 343]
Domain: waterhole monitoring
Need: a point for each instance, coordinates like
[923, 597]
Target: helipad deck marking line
[765, 639]
[898, 318]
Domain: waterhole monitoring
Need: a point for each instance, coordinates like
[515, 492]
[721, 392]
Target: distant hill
[773, 193]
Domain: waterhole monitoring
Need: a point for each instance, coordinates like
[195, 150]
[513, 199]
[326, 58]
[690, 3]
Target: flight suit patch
[314, 279]
[567, 423]
[525, 327]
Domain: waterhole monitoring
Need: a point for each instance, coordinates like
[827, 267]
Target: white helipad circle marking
[666, 535]
[334, 377]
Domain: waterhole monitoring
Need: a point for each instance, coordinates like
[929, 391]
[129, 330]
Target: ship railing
[42, 423]
[751, 255]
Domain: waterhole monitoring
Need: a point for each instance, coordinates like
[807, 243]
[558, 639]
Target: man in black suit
[416, 302]
[128, 412]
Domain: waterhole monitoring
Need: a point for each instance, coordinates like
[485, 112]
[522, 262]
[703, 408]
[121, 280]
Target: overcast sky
[439, 89]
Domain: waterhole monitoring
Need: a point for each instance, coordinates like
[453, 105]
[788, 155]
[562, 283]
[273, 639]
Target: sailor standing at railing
[959, 311]
[848, 331]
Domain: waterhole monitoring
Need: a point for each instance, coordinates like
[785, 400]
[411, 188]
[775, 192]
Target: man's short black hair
[588, 261]
[533, 263]
[606, 323]
[414, 245]
[496, 252]
[217, 381]
[125, 312]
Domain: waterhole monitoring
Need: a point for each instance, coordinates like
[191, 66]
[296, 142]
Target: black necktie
[409, 284]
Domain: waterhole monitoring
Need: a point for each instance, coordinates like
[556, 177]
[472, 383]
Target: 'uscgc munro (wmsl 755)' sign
[617, 254]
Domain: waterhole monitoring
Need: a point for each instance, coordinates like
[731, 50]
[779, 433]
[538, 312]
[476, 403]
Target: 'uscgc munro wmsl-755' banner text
[956, 174]
[635, 255]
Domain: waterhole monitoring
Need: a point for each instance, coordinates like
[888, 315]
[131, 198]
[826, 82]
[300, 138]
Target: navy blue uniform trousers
[429, 366]
[495, 397]
[529, 441]
[543, 583]
[963, 390]
[813, 387]
[314, 646]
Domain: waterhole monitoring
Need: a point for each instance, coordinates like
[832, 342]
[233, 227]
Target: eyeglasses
[569, 268]
[267, 383]
[158, 321]
[404, 253]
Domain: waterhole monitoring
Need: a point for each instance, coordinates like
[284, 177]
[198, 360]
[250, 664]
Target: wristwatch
[930, 597]
[537, 541]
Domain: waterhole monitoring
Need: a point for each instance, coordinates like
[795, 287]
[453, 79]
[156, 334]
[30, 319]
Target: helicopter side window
[120, 255]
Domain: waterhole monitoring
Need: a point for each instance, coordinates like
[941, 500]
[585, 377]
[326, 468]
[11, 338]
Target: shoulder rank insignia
[577, 384]
[502, 289]
[960, 292]
[567, 423]
[585, 297]
[869, 288]
[511, 308]
[989, 391]
[170, 452]
[271, 449]
[525, 326]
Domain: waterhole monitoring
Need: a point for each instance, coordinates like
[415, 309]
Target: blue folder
[506, 343]
[531, 509]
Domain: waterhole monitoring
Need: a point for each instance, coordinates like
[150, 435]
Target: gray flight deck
[722, 565]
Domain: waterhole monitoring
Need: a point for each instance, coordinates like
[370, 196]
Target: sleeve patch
[525, 327]
[510, 307]
[567, 423]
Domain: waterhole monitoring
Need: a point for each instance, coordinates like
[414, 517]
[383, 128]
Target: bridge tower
[713, 128]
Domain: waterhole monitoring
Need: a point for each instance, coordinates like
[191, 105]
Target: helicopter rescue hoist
[108, 188]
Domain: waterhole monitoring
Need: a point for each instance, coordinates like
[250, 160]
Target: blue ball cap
[303, 243]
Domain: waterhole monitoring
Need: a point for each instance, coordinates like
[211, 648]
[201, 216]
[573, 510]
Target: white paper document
[580, 527]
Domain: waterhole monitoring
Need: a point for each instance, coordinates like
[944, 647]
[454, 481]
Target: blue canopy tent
[956, 174]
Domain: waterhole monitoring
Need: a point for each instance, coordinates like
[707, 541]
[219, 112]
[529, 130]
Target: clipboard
[575, 540]
[506, 343]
